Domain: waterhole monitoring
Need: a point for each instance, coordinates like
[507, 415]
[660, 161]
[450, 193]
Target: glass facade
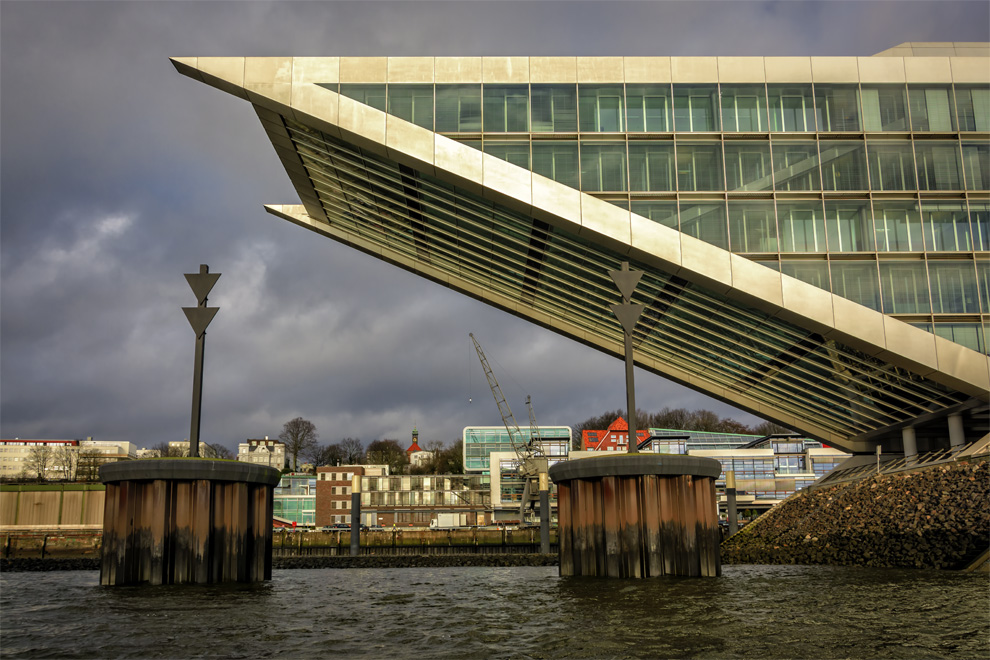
[295, 499]
[892, 168]
[480, 441]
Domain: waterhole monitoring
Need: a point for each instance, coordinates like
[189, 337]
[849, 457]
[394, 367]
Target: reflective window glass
[557, 160]
[705, 221]
[983, 284]
[747, 165]
[506, 108]
[651, 165]
[837, 107]
[898, 227]
[603, 166]
[884, 108]
[695, 108]
[648, 108]
[976, 165]
[795, 166]
[600, 108]
[891, 165]
[843, 165]
[373, 95]
[970, 335]
[458, 108]
[812, 272]
[979, 221]
[554, 108]
[664, 213]
[516, 153]
[904, 286]
[849, 226]
[938, 165]
[699, 166]
[857, 281]
[974, 108]
[752, 227]
[744, 108]
[931, 108]
[946, 226]
[953, 286]
[792, 108]
[801, 226]
[414, 103]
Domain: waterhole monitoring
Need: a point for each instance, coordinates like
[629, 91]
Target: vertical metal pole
[197, 395]
[544, 513]
[355, 515]
[730, 498]
[630, 395]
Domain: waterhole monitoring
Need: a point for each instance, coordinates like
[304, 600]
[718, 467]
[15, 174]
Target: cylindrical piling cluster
[173, 521]
[638, 515]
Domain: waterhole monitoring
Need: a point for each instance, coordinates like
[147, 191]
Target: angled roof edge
[792, 300]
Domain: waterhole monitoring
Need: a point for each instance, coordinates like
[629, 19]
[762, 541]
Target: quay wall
[937, 517]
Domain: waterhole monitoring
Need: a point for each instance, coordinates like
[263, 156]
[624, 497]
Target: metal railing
[901, 464]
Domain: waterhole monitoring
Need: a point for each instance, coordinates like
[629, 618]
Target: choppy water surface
[750, 612]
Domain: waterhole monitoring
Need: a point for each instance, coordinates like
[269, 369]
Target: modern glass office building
[814, 232]
[481, 441]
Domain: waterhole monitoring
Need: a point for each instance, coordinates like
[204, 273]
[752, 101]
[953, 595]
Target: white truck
[446, 521]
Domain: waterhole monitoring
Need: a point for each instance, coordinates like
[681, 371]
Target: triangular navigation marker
[626, 281]
[628, 314]
[200, 317]
[202, 284]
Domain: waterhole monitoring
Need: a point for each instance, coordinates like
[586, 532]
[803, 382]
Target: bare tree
[387, 452]
[165, 450]
[299, 436]
[65, 461]
[325, 455]
[215, 450]
[769, 428]
[352, 450]
[39, 459]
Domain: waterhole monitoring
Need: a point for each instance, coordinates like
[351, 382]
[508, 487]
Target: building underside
[714, 321]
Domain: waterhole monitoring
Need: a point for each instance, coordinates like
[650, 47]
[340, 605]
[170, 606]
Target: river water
[750, 612]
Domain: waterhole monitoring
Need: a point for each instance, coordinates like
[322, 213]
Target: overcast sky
[118, 175]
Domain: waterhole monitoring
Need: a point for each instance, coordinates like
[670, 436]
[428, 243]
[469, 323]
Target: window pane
[904, 285]
[648, 108]
[506, 108]
[983, 283]
[837, 107]
[812, 272]
[373, 95]
[600, 108]
[857, 281]
[752, 227]
[695, 108]
[976, 164]
[744, 108]
[651, 165]
[843, 165]
[747, 166]
[795, 166]
[969, 335]
[979, 220]
[891, 165]
[705, 221]
[884, 108]
[413, 103]
[664, 213]
[458, 108]
[953, 285]
[938, 165]
[849, 226]
[699, 167]
[946, 226]
[801, 226]
[898, 227]
[792, 108]
[516, 153]
[557, 161]
[603, 166]
[931, 108]
[554, 108]
[974, 108]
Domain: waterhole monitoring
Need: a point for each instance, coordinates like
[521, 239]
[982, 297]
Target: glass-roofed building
[814, 232]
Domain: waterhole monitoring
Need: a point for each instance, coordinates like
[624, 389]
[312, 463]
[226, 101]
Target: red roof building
[414, 447]
[614, 438]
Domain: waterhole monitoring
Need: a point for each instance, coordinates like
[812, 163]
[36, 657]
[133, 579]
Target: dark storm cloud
[118, 175]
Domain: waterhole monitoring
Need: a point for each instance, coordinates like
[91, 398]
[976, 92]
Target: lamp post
[199, 317]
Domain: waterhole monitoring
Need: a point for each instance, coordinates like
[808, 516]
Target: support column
[730, 502]
[355, 515]
[544, 513]
[957, 434]
[910, 444]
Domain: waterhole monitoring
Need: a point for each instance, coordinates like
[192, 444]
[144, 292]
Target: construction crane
[529, 453]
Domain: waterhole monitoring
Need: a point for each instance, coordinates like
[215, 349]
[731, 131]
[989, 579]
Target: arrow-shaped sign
[200, 317]
[202, 283]
[628, 314]
[626, 281]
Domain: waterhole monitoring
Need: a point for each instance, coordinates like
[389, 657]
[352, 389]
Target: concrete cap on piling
[188, 469]
[632, 465]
